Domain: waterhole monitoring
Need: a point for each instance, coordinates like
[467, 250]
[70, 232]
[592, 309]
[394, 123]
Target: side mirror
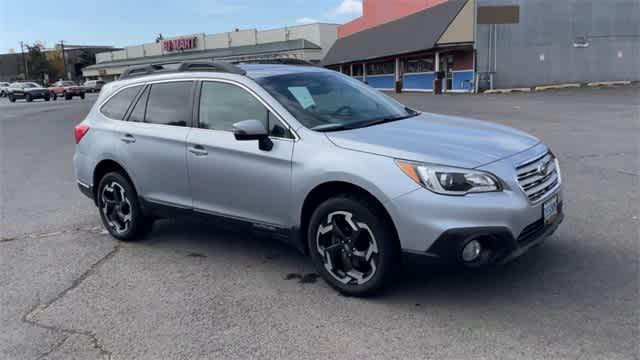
[253, 130]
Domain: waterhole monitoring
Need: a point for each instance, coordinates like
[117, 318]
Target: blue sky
[132, 22]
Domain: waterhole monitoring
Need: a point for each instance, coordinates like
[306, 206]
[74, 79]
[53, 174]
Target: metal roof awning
[281, 46]
[416, 32]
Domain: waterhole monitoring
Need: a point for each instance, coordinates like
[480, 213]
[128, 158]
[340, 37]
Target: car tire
[47, 98]
[82, 96]
[28, 97]
[361, 257]
[68, 96]
[12, 98]
[119, 208]
[55, 96]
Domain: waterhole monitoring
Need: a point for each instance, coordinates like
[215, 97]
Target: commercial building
[471, 44]
[308, 42]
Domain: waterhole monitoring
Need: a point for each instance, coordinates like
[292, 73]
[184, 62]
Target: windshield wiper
[362, 124]
[384, 120]
[332, 127]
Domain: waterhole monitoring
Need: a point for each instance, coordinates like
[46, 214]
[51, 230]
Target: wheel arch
[327, 190]
[106, 166]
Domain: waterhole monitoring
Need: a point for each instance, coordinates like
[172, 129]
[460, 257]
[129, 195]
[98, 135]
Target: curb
[557, 86]
[608, 83]
[507, 91]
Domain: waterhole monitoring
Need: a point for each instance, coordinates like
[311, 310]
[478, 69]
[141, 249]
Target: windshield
[328, 101]
[30, 85]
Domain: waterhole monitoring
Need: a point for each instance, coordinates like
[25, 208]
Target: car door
[152, 142]
[18, 91]
[235, 178]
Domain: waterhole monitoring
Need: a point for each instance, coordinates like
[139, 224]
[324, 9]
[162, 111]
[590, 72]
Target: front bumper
[439, 226]
[504, 247]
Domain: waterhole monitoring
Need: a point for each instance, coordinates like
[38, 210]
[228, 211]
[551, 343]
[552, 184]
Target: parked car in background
[67, 89]
[4, 86]
[347, 174]
[93, 85]
[28, 91]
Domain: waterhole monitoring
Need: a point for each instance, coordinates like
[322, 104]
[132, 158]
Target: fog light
[471, 251]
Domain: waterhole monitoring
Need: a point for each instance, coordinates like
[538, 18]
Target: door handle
[128, 138]
[198, 150]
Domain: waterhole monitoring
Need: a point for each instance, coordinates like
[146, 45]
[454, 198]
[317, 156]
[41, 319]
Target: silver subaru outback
[343, 172]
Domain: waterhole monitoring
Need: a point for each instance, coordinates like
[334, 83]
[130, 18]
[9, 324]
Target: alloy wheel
[116, 207]
[348, 248]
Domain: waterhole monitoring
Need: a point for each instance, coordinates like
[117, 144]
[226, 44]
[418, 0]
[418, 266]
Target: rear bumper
[86, 190]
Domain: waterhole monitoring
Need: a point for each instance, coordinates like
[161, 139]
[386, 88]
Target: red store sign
[179, 44]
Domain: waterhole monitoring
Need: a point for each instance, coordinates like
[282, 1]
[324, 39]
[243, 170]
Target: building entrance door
[446, 66]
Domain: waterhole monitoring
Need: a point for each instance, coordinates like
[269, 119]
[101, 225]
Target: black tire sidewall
[382, 231]
[28, 98]
[138, 225]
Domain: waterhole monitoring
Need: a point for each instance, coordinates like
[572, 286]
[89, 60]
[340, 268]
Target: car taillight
[80, 131]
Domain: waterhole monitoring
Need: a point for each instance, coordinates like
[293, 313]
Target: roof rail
[283, 61]
[140, 70]
[212, 66]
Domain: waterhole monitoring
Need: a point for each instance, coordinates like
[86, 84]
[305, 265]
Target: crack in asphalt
[93, 229]
[38, 307]
[53, 349]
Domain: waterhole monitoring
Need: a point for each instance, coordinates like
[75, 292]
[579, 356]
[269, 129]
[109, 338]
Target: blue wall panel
[419, 81]
[381, 81]
[463, 80]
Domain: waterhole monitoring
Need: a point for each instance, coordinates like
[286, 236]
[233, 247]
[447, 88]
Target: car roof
[253, 71]
[266, 70]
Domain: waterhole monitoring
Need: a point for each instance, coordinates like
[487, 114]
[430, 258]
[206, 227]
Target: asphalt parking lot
[195, 291]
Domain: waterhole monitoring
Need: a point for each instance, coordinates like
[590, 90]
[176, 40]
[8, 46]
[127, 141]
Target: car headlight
[450, 180]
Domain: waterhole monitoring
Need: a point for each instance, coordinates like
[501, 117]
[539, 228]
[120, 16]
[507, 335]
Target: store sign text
[179, 44]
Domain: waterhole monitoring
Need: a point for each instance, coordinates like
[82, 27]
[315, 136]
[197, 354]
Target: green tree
[56, 64]
[37, 61]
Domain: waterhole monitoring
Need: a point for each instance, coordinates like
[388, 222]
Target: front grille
[539, 176]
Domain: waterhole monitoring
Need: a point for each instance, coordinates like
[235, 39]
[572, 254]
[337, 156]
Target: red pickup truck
[67, 89]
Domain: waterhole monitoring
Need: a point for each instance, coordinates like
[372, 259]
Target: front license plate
[550, 210]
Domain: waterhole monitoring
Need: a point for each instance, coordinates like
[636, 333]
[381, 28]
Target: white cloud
[349, 8]
[345, 11]
[306, 20]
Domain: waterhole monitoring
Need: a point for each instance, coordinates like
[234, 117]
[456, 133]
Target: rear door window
[138, 112]
[170, 103]
[118, 105]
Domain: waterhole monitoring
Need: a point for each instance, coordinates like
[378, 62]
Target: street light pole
[24, 61]
[64, 60]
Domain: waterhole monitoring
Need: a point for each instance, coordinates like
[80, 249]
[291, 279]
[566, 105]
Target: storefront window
[419, 65]
[381, 68]
[357, 70]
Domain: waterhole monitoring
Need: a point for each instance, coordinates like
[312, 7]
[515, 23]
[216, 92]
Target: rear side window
[170, 103]
[140, 108]
[118, 105]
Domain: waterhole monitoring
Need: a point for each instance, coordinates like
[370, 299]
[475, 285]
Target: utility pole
[24, 61]
[64, 60]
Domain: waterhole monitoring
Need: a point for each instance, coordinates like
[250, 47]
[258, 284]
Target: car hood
[437, 139]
